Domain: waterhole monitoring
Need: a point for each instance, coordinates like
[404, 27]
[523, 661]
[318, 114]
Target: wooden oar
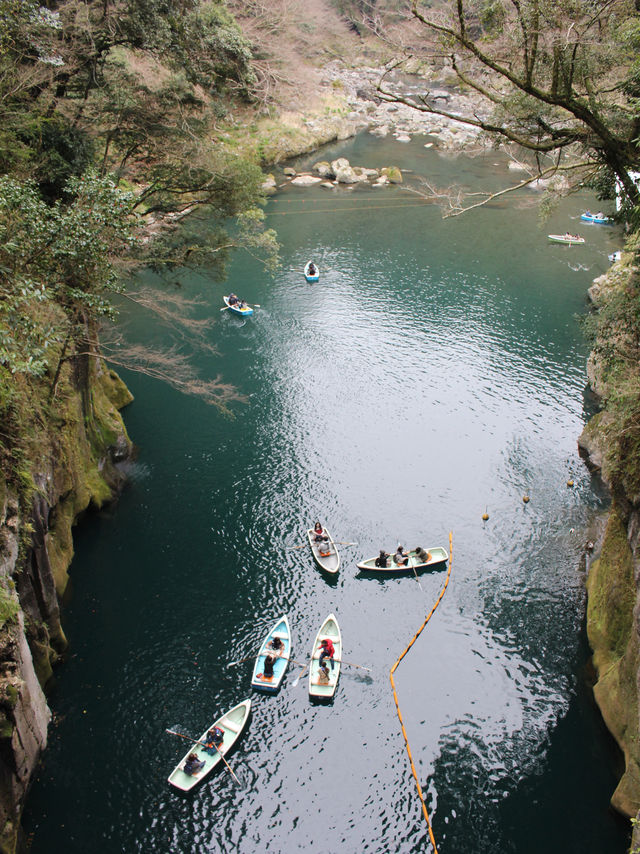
[351, 664]
[239, 661]
[195, 741]
[340, 543]
[293, 548]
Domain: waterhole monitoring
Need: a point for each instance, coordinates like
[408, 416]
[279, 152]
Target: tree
[555, 78]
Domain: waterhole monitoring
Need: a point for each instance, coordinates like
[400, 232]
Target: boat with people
[596, 218]
[419, 558]
[323, 549]
[570, 239]
[323, 676]
[200, 759]
[311, 272]
[273, 658]
[238, 306]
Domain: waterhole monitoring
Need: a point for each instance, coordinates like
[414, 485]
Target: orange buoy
[569, 482]
[485, 516]
[525, 498]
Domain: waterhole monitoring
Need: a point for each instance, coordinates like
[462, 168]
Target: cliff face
[613, 584]
[75, 469]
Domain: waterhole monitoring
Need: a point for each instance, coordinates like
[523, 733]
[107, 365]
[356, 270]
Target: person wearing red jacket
[327, 650]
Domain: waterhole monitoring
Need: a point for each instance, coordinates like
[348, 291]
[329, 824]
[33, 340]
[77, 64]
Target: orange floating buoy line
[425, 812]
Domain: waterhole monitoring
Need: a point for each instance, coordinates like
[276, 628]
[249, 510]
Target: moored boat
[324, 552]
[232, 724]
[570, 239]
[596, 218]
[311, 272]
[437, 557]
[240, 307]
[281, 652]
[329, 630]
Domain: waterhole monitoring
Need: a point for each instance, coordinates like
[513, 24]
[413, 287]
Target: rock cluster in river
[339, 171]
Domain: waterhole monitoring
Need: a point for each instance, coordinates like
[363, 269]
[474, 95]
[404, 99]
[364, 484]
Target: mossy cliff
[68, 463]
[609, 446]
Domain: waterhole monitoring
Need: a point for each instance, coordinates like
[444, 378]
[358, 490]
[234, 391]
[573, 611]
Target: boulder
[269, 185]
[324, 170]
[306, 180]
[393, 174]
[289, 171]
[344, 172]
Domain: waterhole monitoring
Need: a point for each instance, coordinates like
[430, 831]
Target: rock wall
[613, 584]
[76, 468]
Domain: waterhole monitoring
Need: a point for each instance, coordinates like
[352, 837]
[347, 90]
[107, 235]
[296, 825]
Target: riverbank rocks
[269, 185]
[343, 171]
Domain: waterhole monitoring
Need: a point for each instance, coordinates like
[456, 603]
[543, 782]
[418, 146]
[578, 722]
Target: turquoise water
[437, 370]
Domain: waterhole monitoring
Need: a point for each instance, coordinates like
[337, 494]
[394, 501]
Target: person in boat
[276, 646]
[323, 674]
[319, 534]
[401, 557]
[214, 739]
[269, 661]
[312, 269]
[422, 555]
[327, 650]
[193, 764]
[232, 299]
[381, 560]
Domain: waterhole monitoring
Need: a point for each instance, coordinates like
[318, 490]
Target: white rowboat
[324, 552]
[325, 690]
[232, 723]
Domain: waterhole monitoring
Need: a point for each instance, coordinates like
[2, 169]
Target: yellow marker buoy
[569, 482]
[525, 498]
[485, 516]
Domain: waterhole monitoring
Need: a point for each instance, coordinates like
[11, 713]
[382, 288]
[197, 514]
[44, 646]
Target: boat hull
[315, 277]
[596, 220]
[328, 562]
[439, 558]
[325, 691]
[243, 312]
[573, 240]
[232, 723]
[270, 684]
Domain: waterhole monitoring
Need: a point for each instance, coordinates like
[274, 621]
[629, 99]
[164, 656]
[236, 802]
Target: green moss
[611, 592]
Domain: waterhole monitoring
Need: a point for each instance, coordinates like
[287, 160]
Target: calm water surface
[437, 370]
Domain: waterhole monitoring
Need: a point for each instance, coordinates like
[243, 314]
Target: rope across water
[395, 695]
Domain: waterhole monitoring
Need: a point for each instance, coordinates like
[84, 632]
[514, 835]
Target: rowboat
[325, 552]
[596, 218]
[331, 630]
[437, 557]
[570, 239]
[241, 308]
[311, 276]
[615, 256]
[270, 684]
[232, 724]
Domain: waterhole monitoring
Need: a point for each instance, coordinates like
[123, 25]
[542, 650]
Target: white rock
[306, 180]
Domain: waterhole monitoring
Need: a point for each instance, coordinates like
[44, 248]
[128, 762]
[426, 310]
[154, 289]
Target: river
[435, 373]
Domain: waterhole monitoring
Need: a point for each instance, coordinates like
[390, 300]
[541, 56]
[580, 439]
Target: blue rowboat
[240, 308]
[317, 687]
[311, 272]
[231, 723]
[596, 219]
[270, 684]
